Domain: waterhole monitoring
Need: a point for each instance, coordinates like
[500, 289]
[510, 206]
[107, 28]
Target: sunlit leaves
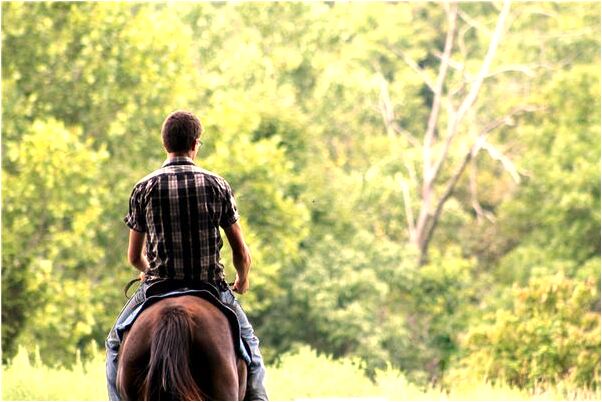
[542, 337]
[292, 97]
[50, 208]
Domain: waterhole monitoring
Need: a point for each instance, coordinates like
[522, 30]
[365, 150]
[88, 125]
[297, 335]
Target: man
[178, 210]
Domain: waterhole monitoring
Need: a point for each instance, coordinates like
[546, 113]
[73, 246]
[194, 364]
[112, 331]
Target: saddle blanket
[243, 349]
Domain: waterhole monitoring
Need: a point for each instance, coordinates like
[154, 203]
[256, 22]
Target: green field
[302, 375]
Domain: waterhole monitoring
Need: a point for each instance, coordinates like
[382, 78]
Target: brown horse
[180, 348]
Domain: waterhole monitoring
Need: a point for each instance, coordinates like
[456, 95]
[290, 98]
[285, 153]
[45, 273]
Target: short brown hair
[180, 130]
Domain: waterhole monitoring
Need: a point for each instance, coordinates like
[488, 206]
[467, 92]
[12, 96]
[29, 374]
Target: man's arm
[240, 256]
[136, 256]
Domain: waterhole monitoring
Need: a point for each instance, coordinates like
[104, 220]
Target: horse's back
[162, 331]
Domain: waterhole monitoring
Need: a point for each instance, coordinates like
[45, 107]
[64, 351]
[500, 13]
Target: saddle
[165, 288]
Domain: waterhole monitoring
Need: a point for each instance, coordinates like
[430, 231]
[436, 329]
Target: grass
[31, 380]
[301, 376]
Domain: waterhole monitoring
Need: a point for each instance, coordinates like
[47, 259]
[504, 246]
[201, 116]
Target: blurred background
[419, 185]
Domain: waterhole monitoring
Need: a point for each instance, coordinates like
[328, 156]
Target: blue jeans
[256, 369]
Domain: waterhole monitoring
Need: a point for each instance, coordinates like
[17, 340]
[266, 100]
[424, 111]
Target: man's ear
[195, 146]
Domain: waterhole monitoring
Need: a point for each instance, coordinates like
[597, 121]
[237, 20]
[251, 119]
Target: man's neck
[171, 155]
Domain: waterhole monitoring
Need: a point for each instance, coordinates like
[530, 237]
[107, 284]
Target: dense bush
[550, 332]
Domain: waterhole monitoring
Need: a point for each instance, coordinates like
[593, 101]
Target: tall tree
[453, 99]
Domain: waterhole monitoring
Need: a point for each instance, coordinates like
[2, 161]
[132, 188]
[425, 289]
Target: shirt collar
[178, 160]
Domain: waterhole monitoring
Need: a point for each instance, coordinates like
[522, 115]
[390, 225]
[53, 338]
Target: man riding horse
[177, 211]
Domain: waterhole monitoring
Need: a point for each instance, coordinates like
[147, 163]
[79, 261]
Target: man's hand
[241, 286]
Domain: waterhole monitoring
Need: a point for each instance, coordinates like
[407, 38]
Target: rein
[128, 286]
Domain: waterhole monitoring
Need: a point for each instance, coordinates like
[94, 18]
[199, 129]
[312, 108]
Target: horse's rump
[180, 349]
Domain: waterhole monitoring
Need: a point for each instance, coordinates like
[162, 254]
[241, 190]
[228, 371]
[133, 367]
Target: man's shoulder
[210, 177]
[149, 178]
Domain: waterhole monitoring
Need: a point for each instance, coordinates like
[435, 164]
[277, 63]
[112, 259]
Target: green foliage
[50, 202]
[293, 98]
[438, 301]
[562, 158]
[112, 85]
[369, 305]
[549, 333]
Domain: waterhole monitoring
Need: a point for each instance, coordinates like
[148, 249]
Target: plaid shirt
[180, 207]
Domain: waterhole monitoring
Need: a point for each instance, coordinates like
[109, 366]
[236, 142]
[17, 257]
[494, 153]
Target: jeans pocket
[227, 296]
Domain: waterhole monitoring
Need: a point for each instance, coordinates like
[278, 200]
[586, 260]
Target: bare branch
[476, 84]
[479, 143]
[472, 95]
[456, 65]
[473, 23]
[388, 114]
[474, 198]
[449, 189]
[427, 185]
[414, 66]
[452, 15]
[459, 89]
[385, 106]
[506, 119]
[526, 69]
[408, 207]
[505, 161]
[411, 170]
[464, 53]
[408, 135]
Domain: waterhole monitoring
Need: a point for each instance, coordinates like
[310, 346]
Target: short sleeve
[229, 211]
[135, 219]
